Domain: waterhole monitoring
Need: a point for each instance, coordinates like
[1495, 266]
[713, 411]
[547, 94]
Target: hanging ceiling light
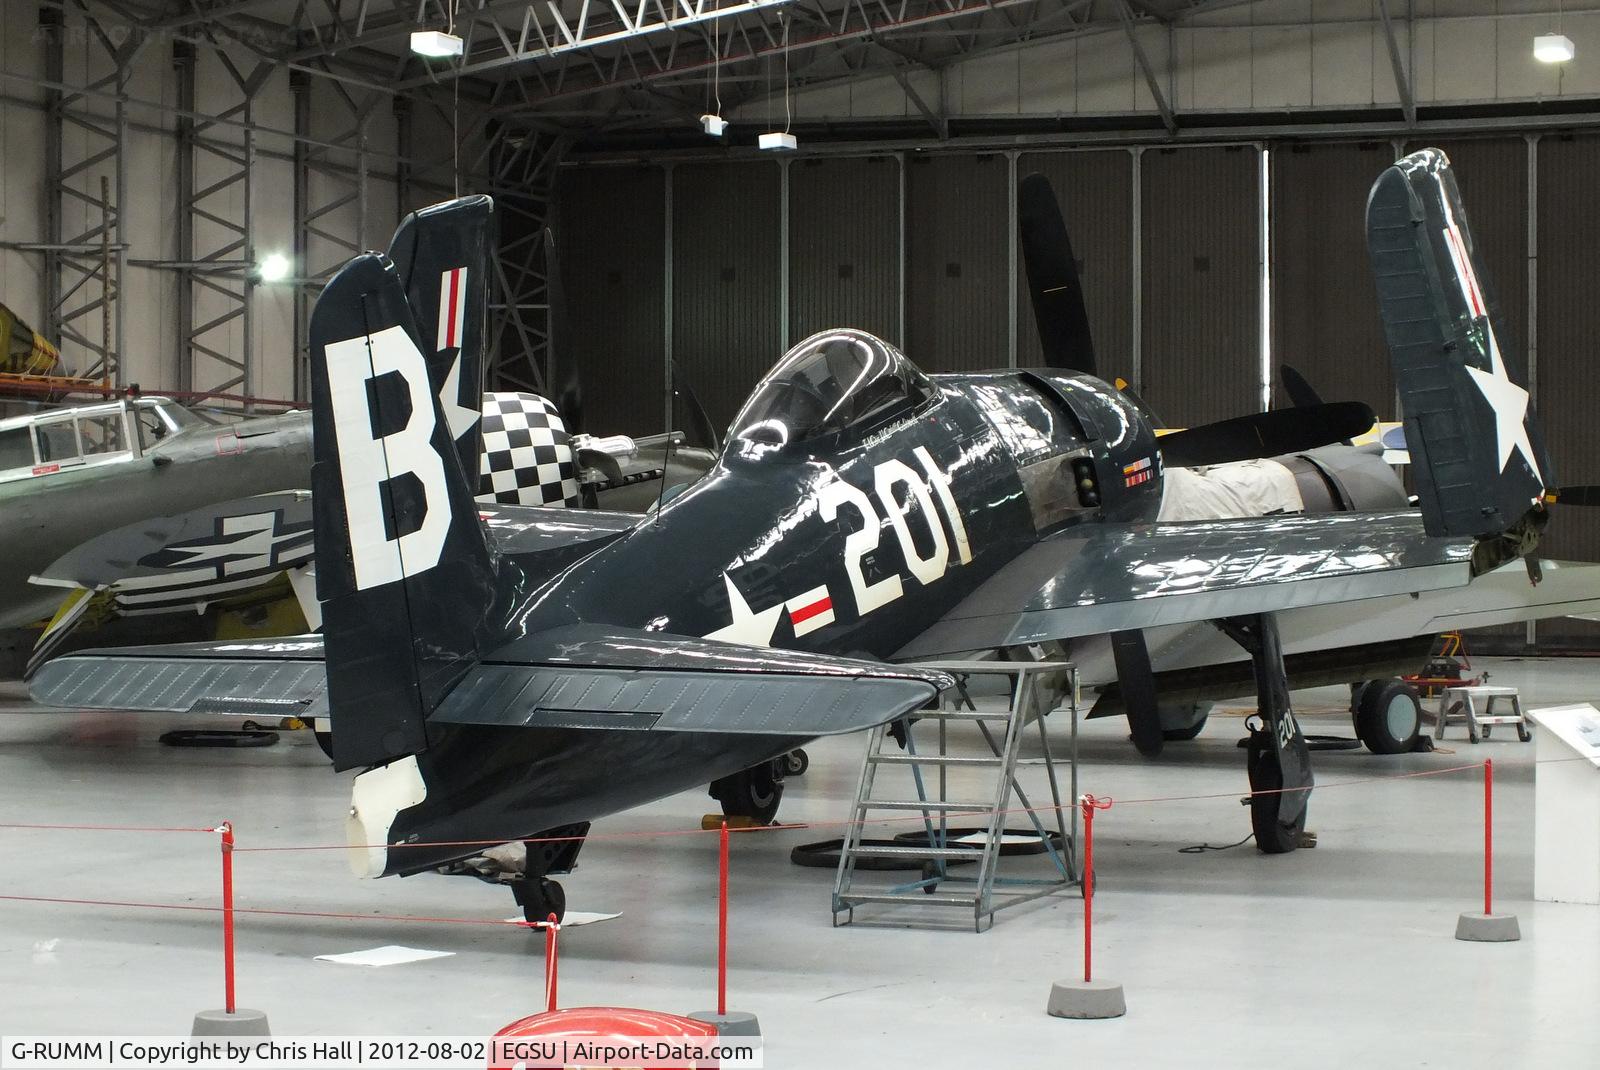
[435, 44]
[1553, 48]
[782, 140]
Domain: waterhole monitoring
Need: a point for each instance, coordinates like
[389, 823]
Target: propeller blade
[697, 412]
[1266, 434]
[1588, 494]
[1053, 284]
[568, 391]
[1301, 393]
[1138, 685]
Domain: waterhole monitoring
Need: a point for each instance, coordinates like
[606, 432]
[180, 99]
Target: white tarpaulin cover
[1224, 491]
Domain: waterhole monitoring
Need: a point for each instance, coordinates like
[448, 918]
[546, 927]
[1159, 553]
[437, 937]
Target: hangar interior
[180, 181]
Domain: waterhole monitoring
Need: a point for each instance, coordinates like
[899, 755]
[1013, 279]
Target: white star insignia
[457, 416]
[748, 627]
[1510, 404]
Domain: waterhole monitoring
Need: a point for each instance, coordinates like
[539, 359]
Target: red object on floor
[603, 1022]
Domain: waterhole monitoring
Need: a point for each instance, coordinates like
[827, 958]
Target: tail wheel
[796, 762]
[754, 793]
[540, 897]
[1389, 716]
[1273, 837]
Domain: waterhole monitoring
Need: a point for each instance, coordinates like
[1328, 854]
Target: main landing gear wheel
[754, 793]
[1388, 716]
[540, 897]
[1273, 837]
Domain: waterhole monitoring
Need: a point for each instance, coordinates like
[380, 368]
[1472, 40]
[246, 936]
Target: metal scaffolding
[86, 186]
[216, 258]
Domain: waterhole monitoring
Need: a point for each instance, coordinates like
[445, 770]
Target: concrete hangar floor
[1342, 955]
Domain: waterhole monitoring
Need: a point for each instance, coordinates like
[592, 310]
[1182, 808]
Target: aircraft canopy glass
[840, 380]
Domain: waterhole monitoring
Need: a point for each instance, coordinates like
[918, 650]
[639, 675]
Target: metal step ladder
[1035, 690]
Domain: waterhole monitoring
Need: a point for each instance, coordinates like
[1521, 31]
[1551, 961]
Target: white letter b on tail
[367, 462]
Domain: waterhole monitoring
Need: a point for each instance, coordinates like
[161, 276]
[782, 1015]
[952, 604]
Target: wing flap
[1112, 578]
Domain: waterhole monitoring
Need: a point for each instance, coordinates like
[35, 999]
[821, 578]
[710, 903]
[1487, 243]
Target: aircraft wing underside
[1093, 580]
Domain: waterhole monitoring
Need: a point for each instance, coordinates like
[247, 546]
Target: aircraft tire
[324, 741]
[1273, 837]
[540, 898]
[754, 793]
[1389, 716]
[796, 762]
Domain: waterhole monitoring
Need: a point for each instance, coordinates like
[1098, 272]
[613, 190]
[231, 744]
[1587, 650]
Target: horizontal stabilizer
[587, 676]
[583, 676]
[261, 678]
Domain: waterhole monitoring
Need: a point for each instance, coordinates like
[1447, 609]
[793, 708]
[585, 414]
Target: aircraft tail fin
[1479, 465]
[441, 254]
[405, 573]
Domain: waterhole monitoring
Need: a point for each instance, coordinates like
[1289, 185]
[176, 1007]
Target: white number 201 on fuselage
[923, 488]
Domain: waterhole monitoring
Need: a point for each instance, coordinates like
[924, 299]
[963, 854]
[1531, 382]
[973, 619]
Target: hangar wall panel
[844, 246]
[957, 253]
[1095, 192]
[1324, 307]
[613, 248]
[1569, 322]
[1201, 283]
[726, 296]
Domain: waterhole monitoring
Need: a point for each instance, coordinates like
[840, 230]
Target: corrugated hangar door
[844, 246]
[613, 268]
[1095, 193]
[1201, 283]
[1324, 305]
[957, 269]
[726, 298]
[1569, 323]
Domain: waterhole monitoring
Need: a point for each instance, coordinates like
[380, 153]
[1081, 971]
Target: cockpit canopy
[835, 381]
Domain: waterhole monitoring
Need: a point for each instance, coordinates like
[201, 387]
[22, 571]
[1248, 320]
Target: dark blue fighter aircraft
[504, 673]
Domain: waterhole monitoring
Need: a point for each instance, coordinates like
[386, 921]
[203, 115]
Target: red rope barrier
[722, 923]
[101, 828]
[1488, 836]
[227, 916]
[335, 915]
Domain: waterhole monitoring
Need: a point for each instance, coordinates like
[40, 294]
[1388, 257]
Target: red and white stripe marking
[452, 308]
[810, 611]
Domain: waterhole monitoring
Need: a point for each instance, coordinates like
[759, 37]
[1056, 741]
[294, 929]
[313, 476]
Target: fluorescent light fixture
[274, 268]
[1553, 48]
[715, 125]
[778, 142]
[435, 44]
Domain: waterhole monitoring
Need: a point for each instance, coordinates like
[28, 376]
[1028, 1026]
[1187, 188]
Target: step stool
[1461, 703]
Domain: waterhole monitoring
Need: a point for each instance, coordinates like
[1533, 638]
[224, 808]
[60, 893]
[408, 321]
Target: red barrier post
[722, 923]
[227, 915]
[1088, 885]
[1090, 805]
[550, 927]
[1488, 836]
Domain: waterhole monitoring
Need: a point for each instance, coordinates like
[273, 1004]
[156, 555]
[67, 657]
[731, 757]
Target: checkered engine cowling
[527, 455]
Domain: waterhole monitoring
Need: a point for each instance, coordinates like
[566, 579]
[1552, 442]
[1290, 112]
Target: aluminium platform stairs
[1035, 689]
